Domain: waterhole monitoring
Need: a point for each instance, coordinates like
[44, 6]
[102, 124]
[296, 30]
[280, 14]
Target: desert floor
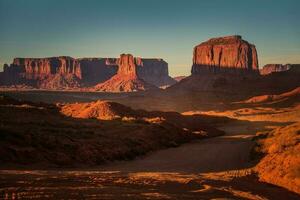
[214, 168]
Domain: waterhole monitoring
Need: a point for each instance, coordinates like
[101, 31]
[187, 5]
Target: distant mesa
[127, 78]
[225, 54]
[65, 72]
[271, 68]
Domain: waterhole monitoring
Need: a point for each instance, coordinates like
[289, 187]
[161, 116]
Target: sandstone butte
[271, 68]
[64, 71]
[225, 54]
[127, 78]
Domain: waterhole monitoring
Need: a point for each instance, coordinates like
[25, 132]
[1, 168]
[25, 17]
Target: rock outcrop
[67, 72]
[225, 54]
[127, 78]
[270, 68]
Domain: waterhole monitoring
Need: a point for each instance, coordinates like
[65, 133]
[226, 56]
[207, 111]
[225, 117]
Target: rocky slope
[270, 68]
[225, 54]
[37, 72]
[281, 164]
[126, 79]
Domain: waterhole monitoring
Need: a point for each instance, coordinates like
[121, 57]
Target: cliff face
[40, 67]
[270, 68]
[154, 71]
[86, 71]
[225, 54]
[96, 70]
[127, 66]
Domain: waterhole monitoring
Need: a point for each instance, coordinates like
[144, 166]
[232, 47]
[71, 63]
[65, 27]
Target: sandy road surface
[228, 152]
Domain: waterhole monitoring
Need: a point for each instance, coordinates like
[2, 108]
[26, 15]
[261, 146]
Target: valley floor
[213, 168]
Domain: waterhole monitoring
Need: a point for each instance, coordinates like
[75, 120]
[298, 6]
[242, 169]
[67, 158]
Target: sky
[167, 29]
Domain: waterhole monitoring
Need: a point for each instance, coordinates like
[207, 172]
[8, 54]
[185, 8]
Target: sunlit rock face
[127, 65]
[225, 54]
[36, 67]
[271, 68]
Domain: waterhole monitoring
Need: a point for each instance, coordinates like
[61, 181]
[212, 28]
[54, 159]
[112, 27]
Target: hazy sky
[168, 29]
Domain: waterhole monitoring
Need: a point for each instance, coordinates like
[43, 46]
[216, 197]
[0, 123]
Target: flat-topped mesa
[225, 54]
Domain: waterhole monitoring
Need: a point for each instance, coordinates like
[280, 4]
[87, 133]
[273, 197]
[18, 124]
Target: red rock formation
[87, 71]
[127, 79]
[127, 66]
[40, 67]
[229, 53]
[270, 68]
[154, 71]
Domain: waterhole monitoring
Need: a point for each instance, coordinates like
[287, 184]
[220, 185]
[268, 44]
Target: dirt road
[228, 152]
